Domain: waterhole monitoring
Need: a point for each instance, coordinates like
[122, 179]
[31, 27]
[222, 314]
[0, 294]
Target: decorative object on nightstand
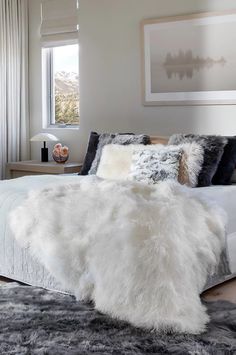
[60, 154]
[44, 137]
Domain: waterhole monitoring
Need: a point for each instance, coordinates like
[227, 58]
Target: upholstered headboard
[159, 140]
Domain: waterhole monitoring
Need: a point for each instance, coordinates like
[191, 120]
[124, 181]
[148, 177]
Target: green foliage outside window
[66, 108]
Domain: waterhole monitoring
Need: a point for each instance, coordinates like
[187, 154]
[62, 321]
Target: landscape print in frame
[190, 60]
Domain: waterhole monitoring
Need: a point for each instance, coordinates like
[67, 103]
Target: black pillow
[227, 164]
[90, 154]
[213, 150]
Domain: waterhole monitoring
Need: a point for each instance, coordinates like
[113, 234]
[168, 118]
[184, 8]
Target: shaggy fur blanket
[141, 253]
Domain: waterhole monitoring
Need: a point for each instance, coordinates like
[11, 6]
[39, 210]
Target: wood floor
[4, 280]
[225, 291]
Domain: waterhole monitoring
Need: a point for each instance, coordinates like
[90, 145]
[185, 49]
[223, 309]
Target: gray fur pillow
[151, 166]
[213, 150]
[116, 138]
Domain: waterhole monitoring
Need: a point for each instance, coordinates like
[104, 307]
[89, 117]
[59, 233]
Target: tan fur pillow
[190, 163]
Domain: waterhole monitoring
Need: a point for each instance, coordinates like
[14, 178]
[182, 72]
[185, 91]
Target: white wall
[110, 77]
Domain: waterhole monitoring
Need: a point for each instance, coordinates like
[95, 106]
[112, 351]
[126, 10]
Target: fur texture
[116, 161]
[151, 166]
[227, 164]
[135, 249]
[213, 150]
[190, 163]
[34, 321]
[116, 138]
[90, 154]
[233, 178]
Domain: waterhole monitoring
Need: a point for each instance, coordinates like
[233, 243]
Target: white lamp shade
[44, 137]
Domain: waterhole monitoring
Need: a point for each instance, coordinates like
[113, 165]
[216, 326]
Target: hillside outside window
[61, 85]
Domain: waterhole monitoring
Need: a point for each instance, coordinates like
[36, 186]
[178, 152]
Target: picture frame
[189, 60]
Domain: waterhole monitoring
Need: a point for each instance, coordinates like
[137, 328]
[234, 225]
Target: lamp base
[44, 154]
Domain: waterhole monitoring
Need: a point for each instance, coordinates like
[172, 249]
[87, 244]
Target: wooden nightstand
[33, 167]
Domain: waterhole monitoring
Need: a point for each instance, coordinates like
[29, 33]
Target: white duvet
[142, 253]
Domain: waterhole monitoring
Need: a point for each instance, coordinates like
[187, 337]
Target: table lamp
[44, 137]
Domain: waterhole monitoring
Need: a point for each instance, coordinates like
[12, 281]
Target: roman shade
[59, 22]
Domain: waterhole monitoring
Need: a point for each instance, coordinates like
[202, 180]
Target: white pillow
[116, 160]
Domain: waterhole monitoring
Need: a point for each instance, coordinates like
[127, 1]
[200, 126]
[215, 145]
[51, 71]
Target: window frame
[48, 92]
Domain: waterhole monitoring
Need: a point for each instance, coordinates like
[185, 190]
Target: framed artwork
[189, 60]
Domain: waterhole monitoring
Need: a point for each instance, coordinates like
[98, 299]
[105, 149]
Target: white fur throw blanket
[141, 253]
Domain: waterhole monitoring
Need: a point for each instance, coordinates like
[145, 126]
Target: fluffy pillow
[90, 154]
[190, 164]
[227, 164]
[213, 150]
[233, 178]
[116, 138]
[151, 166]
[116, 160]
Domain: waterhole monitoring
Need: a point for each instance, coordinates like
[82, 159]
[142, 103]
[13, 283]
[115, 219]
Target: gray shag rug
[37, 321]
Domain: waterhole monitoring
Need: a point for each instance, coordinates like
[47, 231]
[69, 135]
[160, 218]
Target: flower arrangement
[60, 154]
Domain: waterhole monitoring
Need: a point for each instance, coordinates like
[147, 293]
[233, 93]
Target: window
[61, 85]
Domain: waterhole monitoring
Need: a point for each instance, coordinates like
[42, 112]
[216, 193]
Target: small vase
[60, 159]
[60, 154]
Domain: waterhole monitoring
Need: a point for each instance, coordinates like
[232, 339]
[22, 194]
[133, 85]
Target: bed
[16, 262]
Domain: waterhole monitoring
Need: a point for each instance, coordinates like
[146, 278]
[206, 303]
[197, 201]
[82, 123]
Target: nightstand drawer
[23, 168]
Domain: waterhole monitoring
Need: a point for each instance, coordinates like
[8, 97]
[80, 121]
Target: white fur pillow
[116, 160]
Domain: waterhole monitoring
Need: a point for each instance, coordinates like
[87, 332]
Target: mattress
[16, 262]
